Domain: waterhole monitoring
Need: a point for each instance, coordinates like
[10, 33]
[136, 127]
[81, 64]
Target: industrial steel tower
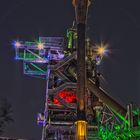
[76, 107]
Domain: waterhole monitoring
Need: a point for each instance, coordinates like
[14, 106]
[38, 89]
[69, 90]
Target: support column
[81, 8]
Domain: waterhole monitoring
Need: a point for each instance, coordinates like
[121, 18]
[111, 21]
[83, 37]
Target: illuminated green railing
[26, 56]
[34, 69]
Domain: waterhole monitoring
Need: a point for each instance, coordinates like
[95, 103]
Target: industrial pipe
[107, 100]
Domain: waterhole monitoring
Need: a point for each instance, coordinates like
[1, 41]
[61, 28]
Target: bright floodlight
[17, 44]
[40, 45]
[101, 51]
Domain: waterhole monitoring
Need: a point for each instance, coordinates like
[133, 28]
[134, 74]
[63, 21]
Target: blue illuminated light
[17, 44]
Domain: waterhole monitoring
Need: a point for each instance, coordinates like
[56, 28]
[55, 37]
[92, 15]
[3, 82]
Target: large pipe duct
[107, 100]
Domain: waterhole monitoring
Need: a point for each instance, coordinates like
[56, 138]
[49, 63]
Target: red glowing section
[68, 96]
[55, 101]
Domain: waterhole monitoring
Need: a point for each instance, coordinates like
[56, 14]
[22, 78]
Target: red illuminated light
[68, 96]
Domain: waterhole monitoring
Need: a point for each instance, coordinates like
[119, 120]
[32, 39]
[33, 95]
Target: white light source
[40, 45]
[101, 49]
[17, 44]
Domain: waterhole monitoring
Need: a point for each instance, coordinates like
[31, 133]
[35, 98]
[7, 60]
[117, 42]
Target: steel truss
[51, 60]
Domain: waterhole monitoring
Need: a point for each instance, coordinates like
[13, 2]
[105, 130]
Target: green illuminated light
[38, 68]
[117, 127]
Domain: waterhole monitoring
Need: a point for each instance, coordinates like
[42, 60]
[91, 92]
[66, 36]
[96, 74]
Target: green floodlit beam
[69, 36]
[121, 117]
[112, 104]
[38, 68]
[29, 42]
[133, 133]
[39, 40]
[69, 44]
[34, 54]
[27, 56]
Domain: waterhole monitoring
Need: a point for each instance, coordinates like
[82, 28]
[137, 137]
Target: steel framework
[57, 62]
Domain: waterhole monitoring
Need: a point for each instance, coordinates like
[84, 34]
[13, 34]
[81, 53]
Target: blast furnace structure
[76, 107]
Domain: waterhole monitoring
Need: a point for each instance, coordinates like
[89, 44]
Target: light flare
[40, 45]
[17, 44]
[102, 49]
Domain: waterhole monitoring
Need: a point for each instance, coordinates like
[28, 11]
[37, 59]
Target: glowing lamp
[40, 118]
[17, 44]
[101, 51]
[40, 45]
[81, 130]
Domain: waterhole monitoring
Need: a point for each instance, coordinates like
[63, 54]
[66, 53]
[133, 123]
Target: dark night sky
[116, 22]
